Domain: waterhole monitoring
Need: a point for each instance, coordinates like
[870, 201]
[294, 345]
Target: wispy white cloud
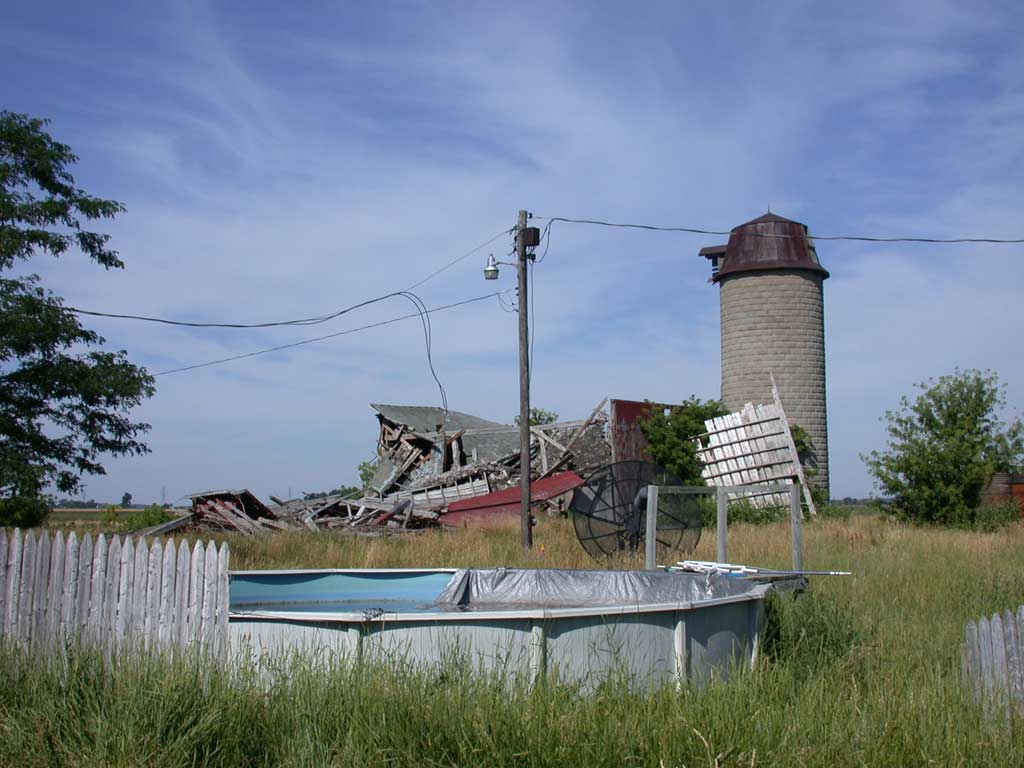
[290, 162]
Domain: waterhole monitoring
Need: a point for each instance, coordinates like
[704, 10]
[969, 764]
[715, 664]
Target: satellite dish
[609, 511]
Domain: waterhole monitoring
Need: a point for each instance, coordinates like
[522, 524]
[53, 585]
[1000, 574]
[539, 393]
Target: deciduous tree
[539, 417]
[944, 446]
[64, 401]
[671, 436]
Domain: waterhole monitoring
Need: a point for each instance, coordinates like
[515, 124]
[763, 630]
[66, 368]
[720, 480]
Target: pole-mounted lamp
[491, 270]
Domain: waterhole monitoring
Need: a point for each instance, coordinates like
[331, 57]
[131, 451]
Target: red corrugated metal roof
[481, 510]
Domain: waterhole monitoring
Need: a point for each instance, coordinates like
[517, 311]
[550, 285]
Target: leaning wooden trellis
[113, 593]
[752, 447]
[992, 661]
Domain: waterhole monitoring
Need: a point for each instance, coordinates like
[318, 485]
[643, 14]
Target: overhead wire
[455, 261]
[329, 335]
[301, 321]
[424, 314]
[421, 311]
[533, 322]
[315, 320]
[510, 307]
[861, 238]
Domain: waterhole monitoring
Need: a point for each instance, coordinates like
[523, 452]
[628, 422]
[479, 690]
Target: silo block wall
[773, 323]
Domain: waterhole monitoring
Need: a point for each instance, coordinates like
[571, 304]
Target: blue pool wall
[689, 642]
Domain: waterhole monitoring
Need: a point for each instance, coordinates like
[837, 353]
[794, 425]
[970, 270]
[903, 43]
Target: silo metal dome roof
[769, 242]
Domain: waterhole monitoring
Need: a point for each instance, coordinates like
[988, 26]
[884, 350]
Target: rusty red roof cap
[769, 242]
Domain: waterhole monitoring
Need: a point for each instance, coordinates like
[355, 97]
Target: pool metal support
[797, 528]
[722, 531]
[355, 639]
[679, 648]
[651, 533]
[538, 652]
[722, 492]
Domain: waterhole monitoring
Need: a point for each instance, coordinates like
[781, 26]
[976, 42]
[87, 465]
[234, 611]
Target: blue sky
[283, 160]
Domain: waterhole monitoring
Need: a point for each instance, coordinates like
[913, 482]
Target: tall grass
[861, 671]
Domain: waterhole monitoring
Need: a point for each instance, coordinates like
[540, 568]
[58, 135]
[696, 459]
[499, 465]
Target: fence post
[723, 524]
[796, 521]
[650, 537]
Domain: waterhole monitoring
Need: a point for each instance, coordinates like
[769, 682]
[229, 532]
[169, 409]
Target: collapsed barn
[447, 468]
[427, 460]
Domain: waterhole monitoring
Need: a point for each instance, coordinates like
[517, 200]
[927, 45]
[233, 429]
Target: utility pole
[526, 237]
[526, 529]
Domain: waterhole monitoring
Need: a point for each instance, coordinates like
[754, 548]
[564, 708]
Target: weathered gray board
[750, 447]
[112, 593]
[992, 661]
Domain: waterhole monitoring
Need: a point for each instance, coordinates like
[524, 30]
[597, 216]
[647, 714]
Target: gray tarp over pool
[476, 588]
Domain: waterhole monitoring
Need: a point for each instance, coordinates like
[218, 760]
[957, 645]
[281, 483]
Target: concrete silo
[772, 322]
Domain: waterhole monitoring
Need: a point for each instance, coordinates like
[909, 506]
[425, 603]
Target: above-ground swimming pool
[577, 625]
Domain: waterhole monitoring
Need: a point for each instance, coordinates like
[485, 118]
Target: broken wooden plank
[572, 441]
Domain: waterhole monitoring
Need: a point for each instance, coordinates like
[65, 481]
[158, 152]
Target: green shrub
[24, 511]
[992, 517]
[152, 515]
[740, 511]
[943, 447]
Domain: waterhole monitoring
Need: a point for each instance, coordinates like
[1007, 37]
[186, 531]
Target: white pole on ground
[723, 523]
[650, 535]
[796, 521]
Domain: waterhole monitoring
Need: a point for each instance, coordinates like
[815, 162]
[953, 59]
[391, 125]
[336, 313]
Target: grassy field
[861, 671]
[92, 521]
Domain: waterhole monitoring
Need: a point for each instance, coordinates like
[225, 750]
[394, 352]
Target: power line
[328, 336]
[424, 315]
[302, 321]
[455, 261]
[861, 238]
[317, 320]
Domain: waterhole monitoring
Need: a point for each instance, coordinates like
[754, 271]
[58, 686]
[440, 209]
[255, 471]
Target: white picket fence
[992, 661]
[113, 593]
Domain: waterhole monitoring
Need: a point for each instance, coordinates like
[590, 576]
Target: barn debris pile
[427, 460]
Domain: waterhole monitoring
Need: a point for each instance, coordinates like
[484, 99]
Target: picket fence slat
[152, 595]
[12, 584]
[223, 603]
[124, 592]
[53, 597]
[84, 584]
[992, 662]
[973, 653]
[3, 577]
[166, 618]
[68, 589]
[181, 590]
[97, 590]
[1013, 670]
[1000, 670]
[195, 593]
[985, 644]
[36, 631]
[111, 582]
[26, 608]
[137, 615]
[208, 612]
[117, 593]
